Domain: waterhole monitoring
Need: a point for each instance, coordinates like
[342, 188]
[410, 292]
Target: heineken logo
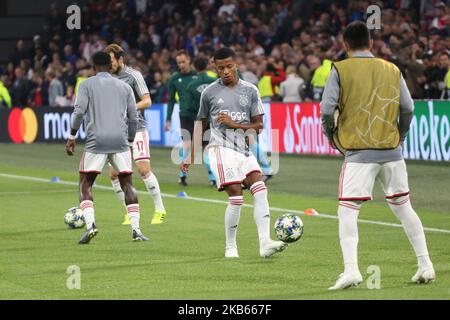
[429, 133]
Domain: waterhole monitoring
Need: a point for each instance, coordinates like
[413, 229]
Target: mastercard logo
[22, 125]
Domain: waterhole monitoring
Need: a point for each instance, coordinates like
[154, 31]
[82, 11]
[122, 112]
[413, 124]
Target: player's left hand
[70, 147]
[226, 120]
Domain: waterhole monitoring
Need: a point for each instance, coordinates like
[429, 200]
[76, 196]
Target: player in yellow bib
[375, 110]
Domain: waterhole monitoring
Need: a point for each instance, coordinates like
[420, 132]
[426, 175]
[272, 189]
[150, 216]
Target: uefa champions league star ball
[74, 218]
[289, 228]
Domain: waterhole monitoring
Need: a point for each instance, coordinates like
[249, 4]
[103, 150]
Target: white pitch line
[20, 193]
[321, 215]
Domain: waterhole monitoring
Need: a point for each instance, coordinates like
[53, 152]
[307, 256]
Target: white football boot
[347, 280]
[424, 275]
[231, 252]
[269, 247]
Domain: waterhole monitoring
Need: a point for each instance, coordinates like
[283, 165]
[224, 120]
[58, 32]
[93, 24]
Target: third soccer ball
[289, 228]
[74, 218]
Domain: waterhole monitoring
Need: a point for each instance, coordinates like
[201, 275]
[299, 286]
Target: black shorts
[188, 125]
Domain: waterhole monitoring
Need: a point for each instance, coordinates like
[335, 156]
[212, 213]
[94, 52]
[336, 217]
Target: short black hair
[357, 35]
[101, 59]
[224, 53]
[200, 64]
[271, 68]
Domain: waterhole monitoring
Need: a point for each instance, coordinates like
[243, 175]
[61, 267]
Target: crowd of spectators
[287, 40]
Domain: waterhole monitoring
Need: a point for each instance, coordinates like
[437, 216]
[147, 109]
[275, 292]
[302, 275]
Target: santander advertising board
[300, 129]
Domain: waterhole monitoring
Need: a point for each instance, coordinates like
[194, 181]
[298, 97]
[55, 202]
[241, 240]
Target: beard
[117, 70]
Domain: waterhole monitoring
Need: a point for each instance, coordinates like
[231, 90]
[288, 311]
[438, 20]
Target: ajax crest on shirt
[243, 100]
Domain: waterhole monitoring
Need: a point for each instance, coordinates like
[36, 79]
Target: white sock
[412, 225]
[348, 234]
[133, 214]
[261, 213]
[232, 215]
[152, 185]
[118, 191]
[87, 207]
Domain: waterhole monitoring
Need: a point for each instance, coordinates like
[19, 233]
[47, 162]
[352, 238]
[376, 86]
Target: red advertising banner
[300, 128]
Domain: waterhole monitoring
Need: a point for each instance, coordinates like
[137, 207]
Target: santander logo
[288, 134]
[301, 127]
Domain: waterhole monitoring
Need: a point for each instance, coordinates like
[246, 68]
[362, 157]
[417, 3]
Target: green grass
[184, 259]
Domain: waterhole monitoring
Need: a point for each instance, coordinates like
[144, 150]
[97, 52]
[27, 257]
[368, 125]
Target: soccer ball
[74, 218]
[289, 228]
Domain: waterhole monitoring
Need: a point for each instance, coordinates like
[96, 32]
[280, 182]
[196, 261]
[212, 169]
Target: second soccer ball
[289, 228]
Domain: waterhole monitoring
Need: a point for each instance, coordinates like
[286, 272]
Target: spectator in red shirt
[36, 96]
[277, 74]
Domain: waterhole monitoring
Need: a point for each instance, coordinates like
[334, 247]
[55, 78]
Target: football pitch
[184, 258]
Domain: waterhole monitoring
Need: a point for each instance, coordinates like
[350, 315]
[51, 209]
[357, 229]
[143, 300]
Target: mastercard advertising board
[22, 125]
[29, 125]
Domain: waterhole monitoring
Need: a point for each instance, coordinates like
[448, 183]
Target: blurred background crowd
[290, 43]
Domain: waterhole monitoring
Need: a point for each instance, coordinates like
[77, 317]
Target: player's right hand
[167, 126]
[70, 147]
[184, 167]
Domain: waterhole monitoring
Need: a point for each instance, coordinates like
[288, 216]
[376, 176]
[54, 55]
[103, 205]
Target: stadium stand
[267, 35]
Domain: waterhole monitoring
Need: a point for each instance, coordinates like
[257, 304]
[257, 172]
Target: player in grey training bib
[141, 148]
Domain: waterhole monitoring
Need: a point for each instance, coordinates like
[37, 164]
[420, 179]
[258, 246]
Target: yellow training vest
[265, 87]
[320, 76]
[212, 74]
[79, 80]
[369, 104]
[4, 95]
